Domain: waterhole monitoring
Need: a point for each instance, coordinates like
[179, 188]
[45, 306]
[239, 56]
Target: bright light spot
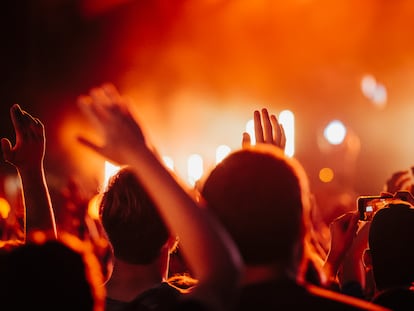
[110, 170]
[326, 174]
[169, 162]
[368, 85]
[4, 208]
[374, 91]
[221, 152]
[287, 119]
[250, 131]
[335, 132]
[194, 168]
[379, 97]
[93, 206]
[12, 185]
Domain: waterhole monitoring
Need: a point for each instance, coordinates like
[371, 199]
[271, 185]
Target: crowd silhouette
[246, 232]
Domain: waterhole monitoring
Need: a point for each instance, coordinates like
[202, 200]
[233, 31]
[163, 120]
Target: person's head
[59, 274]
[391, 251]
[261, 197]
[131, 221]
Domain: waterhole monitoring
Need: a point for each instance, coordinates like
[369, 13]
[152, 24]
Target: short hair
[258, 194]
[51, 274]
[131, 220]
[391, 240]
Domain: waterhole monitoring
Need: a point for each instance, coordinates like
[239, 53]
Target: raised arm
[207, 249]
[27, 156]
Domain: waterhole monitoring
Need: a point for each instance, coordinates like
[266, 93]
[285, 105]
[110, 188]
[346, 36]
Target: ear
[367, 258]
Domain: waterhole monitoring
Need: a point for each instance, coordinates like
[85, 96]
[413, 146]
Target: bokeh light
[4, 208]
[287, 119]
[326, 175]
[221, 152]
[194, 168]
[335, 132]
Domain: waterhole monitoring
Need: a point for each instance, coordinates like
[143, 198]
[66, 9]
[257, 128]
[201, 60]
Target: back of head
[391, 238]
[131, 220]
[257, 194]
[51, 275]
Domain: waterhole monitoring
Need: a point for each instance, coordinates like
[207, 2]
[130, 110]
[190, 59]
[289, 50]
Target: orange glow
[93, 206]
[4, 208]
[110, 170]
[326, 174]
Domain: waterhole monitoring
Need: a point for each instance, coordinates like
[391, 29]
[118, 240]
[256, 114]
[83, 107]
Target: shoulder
[156, 298]
[398, 299]
[346, 302]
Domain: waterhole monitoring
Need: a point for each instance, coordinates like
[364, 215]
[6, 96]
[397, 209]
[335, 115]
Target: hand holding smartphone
[368, 205]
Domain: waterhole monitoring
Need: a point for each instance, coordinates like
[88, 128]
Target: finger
[16, 116]
[86, 105]
[99, 96]
[386, 194]
[39, 124]
[6, 148]
[89, 144]
[267, 127]
[351, 227]
[258, 129]
[347, 221]
[283, 137]
[353, 222]
[392, 182]
[246, 141]
[403, 183]
[277, 131]
[111, 92]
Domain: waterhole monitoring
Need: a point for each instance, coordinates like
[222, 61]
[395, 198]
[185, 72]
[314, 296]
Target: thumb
[6, 148]
[246, 141]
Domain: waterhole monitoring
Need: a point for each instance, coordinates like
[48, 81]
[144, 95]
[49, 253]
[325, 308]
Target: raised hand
[343, 230]
[267, 130]
[108, 110]
[29, 149]
[123, 142]
[399, 180]
[27, 156]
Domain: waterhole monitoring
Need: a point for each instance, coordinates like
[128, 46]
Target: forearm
[39, 213]
[208, 250]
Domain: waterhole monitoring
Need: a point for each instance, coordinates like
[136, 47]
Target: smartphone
[369, 204]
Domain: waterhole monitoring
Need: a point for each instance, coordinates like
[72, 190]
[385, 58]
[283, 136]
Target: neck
[129, 280]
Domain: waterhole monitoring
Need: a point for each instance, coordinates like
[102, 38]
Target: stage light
[374, 91]
[110, 170]
[335, 132]
[169, 162]
[250, 131]
[287, 120]
[221, 152]
[194, 168]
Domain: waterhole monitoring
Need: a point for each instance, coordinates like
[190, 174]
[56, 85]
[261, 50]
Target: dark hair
[51, 275]
[131, 220]
[257, 194]
[391, 240]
